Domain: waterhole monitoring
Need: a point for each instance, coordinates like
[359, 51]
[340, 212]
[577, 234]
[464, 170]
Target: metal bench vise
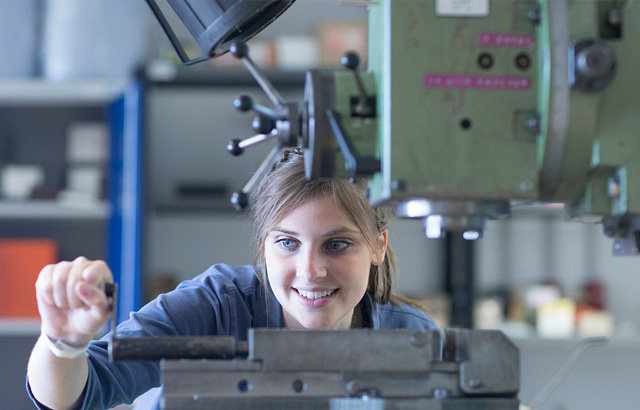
[351, 370]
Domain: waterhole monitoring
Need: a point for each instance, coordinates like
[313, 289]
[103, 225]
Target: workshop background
[90, 90]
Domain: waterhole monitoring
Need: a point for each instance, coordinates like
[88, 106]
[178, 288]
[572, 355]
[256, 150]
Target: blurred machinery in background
[466, 107]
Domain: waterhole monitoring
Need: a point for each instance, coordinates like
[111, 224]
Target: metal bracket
[171, 36]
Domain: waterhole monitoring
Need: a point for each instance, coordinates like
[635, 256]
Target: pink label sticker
[506, 40]
[476, 81]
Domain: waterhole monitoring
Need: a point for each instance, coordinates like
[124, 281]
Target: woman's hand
[71, 300]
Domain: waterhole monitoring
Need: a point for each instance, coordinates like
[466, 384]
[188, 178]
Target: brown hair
[285, 188]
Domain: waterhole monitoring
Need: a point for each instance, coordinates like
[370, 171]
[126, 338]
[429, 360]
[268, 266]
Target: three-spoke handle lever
[280, 123]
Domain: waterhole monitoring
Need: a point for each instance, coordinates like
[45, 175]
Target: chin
[318, 323]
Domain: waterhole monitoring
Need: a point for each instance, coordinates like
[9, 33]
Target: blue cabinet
[125, 189]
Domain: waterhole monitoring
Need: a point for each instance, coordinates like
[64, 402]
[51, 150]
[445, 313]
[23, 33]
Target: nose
[310, 265]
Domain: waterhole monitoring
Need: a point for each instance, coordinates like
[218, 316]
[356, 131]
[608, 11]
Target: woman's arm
[56, 382]
[72, 308]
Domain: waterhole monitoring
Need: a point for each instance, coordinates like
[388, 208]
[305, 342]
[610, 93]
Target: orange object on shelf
[21, 260]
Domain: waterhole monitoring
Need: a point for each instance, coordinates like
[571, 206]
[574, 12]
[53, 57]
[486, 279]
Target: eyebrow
[338, 231]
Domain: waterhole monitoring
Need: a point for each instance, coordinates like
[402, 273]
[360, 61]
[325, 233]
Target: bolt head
[475, 383]
[419, 339]
[527, 186]
[533, 14]
[399, 185]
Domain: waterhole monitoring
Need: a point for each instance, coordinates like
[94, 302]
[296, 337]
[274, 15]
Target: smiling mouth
[315, 295]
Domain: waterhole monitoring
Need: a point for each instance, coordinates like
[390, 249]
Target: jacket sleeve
[206, 305]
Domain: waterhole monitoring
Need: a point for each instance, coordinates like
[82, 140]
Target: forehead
[325, 212]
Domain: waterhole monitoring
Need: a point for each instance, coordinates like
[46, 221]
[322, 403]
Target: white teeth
[315, 295]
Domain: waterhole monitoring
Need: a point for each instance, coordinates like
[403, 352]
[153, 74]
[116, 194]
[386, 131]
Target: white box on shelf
[87, 142]
[86, 179]
[296, 52]
[18, 181]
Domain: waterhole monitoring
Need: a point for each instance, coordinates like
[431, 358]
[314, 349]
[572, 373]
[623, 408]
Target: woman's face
[318, 265]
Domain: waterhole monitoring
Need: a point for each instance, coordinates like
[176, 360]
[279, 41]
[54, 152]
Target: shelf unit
[52, 210]
[27, 94]
[19, 327]
[33, 92]
[34, 116]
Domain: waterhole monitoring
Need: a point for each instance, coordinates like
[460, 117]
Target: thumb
[91, 295]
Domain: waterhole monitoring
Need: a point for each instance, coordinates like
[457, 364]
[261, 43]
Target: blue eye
[287, 243]
[337, 245]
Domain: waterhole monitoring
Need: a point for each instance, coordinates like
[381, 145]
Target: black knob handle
[350, 60]
[365, 106]
[239, 50]
[262, 124]
[239, 200]
[243, 103]
[234, 147]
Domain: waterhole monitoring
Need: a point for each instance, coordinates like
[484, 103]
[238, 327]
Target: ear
[377, 256]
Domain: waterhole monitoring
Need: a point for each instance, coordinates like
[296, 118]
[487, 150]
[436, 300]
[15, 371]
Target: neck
[356, 319]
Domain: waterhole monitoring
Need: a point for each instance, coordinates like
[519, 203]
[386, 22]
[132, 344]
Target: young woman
[322, 260]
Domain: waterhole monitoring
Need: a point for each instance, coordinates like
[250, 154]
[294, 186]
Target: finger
[75, 275]
[44, 287]
[92, 296]
[97, 273]
[98, 312]
[59, 283]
